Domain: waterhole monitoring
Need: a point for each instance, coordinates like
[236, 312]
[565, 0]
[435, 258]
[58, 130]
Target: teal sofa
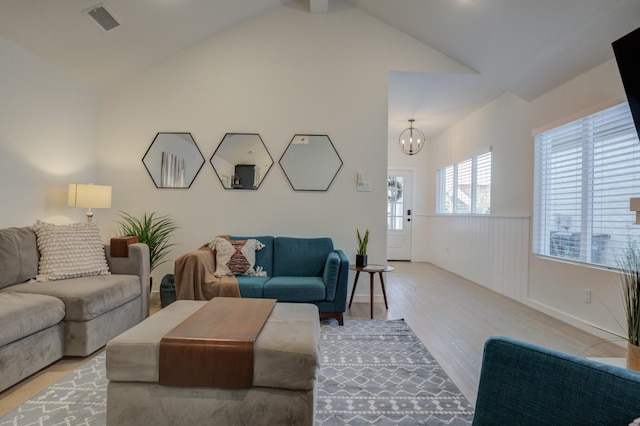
[297, 270]
[527, 385]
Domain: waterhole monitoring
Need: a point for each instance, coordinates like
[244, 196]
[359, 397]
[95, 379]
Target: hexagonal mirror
[310, 162]
[173, 160]
[241, 161]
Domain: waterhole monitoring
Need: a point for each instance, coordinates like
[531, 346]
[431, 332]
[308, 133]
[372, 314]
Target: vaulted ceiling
[525, 47]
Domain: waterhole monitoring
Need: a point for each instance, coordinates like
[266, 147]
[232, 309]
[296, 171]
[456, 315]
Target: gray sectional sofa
[40, 322]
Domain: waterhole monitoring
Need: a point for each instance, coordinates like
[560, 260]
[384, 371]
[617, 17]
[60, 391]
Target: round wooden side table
[372, 270]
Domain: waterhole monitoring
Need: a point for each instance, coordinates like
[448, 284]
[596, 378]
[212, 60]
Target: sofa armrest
[524, 384]
[194, 273]
[330, 275]
[336, 279]
[137, 263]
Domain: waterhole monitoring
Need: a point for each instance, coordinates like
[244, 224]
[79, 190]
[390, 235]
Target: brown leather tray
[214, 346]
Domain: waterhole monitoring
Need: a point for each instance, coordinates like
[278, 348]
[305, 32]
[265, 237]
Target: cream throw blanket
[195, 279]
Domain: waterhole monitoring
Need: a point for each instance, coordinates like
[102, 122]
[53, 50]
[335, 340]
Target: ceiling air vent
[102, 17]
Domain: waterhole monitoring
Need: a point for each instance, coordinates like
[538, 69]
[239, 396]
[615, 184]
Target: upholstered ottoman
[286, 357]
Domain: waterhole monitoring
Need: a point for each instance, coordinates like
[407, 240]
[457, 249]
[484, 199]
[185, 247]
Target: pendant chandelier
[411, 140]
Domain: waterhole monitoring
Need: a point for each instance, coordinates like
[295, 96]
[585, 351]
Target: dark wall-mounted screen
[627, 51]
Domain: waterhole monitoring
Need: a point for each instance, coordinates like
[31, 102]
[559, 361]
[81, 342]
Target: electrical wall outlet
[587, 295]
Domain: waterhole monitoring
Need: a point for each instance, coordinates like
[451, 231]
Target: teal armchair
[527, 385]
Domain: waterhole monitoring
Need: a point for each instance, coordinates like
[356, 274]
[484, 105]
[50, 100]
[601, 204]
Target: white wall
[283, 73]
[48, 139]
[506, 125]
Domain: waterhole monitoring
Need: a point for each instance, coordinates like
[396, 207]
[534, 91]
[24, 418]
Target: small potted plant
[361, 253]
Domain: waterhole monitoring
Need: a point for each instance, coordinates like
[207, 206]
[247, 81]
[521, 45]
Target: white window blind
[585, 173]
[465, 187]
[463, 200]
[482, 181]
[444, 191]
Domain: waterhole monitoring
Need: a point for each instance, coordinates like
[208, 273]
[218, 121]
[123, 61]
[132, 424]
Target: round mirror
[173, 160]
[310, 162]
[241, 161]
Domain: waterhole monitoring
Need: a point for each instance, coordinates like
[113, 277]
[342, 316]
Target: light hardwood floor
[451, 316]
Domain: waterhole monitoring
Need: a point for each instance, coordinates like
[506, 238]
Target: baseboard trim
[575, 321]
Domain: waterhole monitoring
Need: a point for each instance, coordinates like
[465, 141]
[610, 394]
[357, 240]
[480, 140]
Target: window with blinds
[585, 173]
[465, 187]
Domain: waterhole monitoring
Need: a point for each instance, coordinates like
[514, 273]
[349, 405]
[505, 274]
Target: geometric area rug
[379, 373]
[372, 373]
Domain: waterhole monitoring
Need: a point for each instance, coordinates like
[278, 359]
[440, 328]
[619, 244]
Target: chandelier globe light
[411, 139]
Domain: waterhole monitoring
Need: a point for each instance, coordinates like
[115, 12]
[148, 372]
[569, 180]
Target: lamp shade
[89, 196]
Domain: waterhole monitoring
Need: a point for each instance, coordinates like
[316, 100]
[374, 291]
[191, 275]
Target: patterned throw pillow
[235, 257]
[69, 251]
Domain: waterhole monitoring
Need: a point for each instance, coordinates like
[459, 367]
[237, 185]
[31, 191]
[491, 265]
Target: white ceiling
[526, 47]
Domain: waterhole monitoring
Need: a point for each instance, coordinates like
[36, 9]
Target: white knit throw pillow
[69, 251]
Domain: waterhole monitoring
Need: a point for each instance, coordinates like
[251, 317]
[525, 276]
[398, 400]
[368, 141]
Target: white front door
[399, 190]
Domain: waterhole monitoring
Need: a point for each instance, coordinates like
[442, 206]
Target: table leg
[353, 290]
[384, 292]
[371, 275]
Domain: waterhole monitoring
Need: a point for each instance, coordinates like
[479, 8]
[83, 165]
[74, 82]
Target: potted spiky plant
[154, 231]
[361, 252]
[630, 283]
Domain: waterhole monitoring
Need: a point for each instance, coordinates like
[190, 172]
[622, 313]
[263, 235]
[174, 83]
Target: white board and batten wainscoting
[492, 251]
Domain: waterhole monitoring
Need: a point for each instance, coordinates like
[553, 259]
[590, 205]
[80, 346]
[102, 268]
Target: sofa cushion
[235, 257]
[86, 298]
[68, 251]
[22, 315]
[18, 255]
[300, 257]
[295, 289]
[264, 257]
[252, 286]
